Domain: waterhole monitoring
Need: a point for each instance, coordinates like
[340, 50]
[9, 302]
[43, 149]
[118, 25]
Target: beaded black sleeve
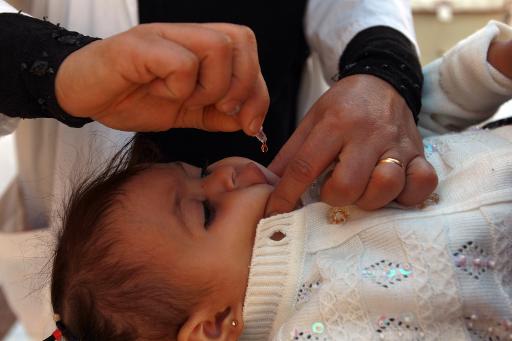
[32, 51]
[388, 54]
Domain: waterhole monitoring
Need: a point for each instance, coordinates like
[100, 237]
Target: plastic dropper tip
[261, 136]
[263, 140]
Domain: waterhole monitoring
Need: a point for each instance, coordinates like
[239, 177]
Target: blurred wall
[435, 36]
[19, 4]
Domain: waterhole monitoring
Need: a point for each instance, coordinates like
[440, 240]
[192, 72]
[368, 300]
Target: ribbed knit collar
[275, 267]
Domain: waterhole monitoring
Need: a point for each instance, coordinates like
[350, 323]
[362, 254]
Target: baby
[174, 252]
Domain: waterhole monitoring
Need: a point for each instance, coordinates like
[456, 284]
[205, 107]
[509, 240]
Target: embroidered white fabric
[502, 228]
[340, 296]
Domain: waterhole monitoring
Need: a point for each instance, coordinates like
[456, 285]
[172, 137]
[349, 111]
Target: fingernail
[255, 126]
[230, 108]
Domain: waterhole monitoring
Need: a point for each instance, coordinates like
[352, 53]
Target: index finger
[293, 145]
[318, 150]
[246, 66]
[247, 83]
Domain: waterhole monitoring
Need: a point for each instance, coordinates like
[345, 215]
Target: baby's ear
[205, 325]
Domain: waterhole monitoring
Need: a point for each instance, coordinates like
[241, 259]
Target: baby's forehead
[156, 175]
[149, 196]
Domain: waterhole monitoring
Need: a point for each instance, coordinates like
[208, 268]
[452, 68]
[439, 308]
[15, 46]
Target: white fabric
[6, 8]
[96, 18]
[24, 273]
[395, 265]
[461, 88]
[331, 24]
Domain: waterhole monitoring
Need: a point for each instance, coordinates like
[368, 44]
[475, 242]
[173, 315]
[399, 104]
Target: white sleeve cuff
[468, 79]
[462, 88]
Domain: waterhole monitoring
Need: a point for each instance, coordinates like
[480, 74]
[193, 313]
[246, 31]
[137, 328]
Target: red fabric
[57, 334]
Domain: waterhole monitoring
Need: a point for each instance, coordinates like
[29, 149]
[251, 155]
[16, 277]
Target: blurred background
[439, 25]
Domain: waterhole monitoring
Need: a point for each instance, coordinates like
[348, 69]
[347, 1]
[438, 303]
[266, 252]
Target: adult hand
[360, 120]
[499, 55]
[157, 76]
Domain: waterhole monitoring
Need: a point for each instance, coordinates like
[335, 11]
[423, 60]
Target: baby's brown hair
[98, 293]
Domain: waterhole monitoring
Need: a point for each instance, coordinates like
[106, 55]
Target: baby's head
[159, 252]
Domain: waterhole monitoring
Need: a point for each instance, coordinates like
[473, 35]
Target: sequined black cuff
[32, 51]
[388, 54]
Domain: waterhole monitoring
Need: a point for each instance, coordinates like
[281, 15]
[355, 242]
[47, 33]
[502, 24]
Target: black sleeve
[388, 54]
[31, 52]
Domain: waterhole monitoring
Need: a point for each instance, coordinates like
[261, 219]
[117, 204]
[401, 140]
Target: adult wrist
[388, 54]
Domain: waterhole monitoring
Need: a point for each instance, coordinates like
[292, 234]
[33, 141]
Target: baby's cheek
[251, 198]
[248, 208]
[258, 199]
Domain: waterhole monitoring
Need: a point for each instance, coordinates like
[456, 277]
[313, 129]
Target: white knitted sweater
[440, 273]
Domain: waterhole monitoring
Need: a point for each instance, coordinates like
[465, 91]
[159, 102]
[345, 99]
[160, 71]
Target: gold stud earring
[234, 323]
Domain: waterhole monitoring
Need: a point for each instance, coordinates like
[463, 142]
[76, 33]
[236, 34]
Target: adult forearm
[32, 52]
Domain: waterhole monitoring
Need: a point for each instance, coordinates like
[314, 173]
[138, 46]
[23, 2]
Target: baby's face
[199, 227]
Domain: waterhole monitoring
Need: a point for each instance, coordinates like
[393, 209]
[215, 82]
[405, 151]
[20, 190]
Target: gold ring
[392, 160]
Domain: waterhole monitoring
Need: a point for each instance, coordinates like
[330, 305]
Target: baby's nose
[222, 179]
[230, 178]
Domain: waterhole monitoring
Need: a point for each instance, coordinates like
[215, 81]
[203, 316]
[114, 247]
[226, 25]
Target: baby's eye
[207, 208]
[209, 213]
[204, 170]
